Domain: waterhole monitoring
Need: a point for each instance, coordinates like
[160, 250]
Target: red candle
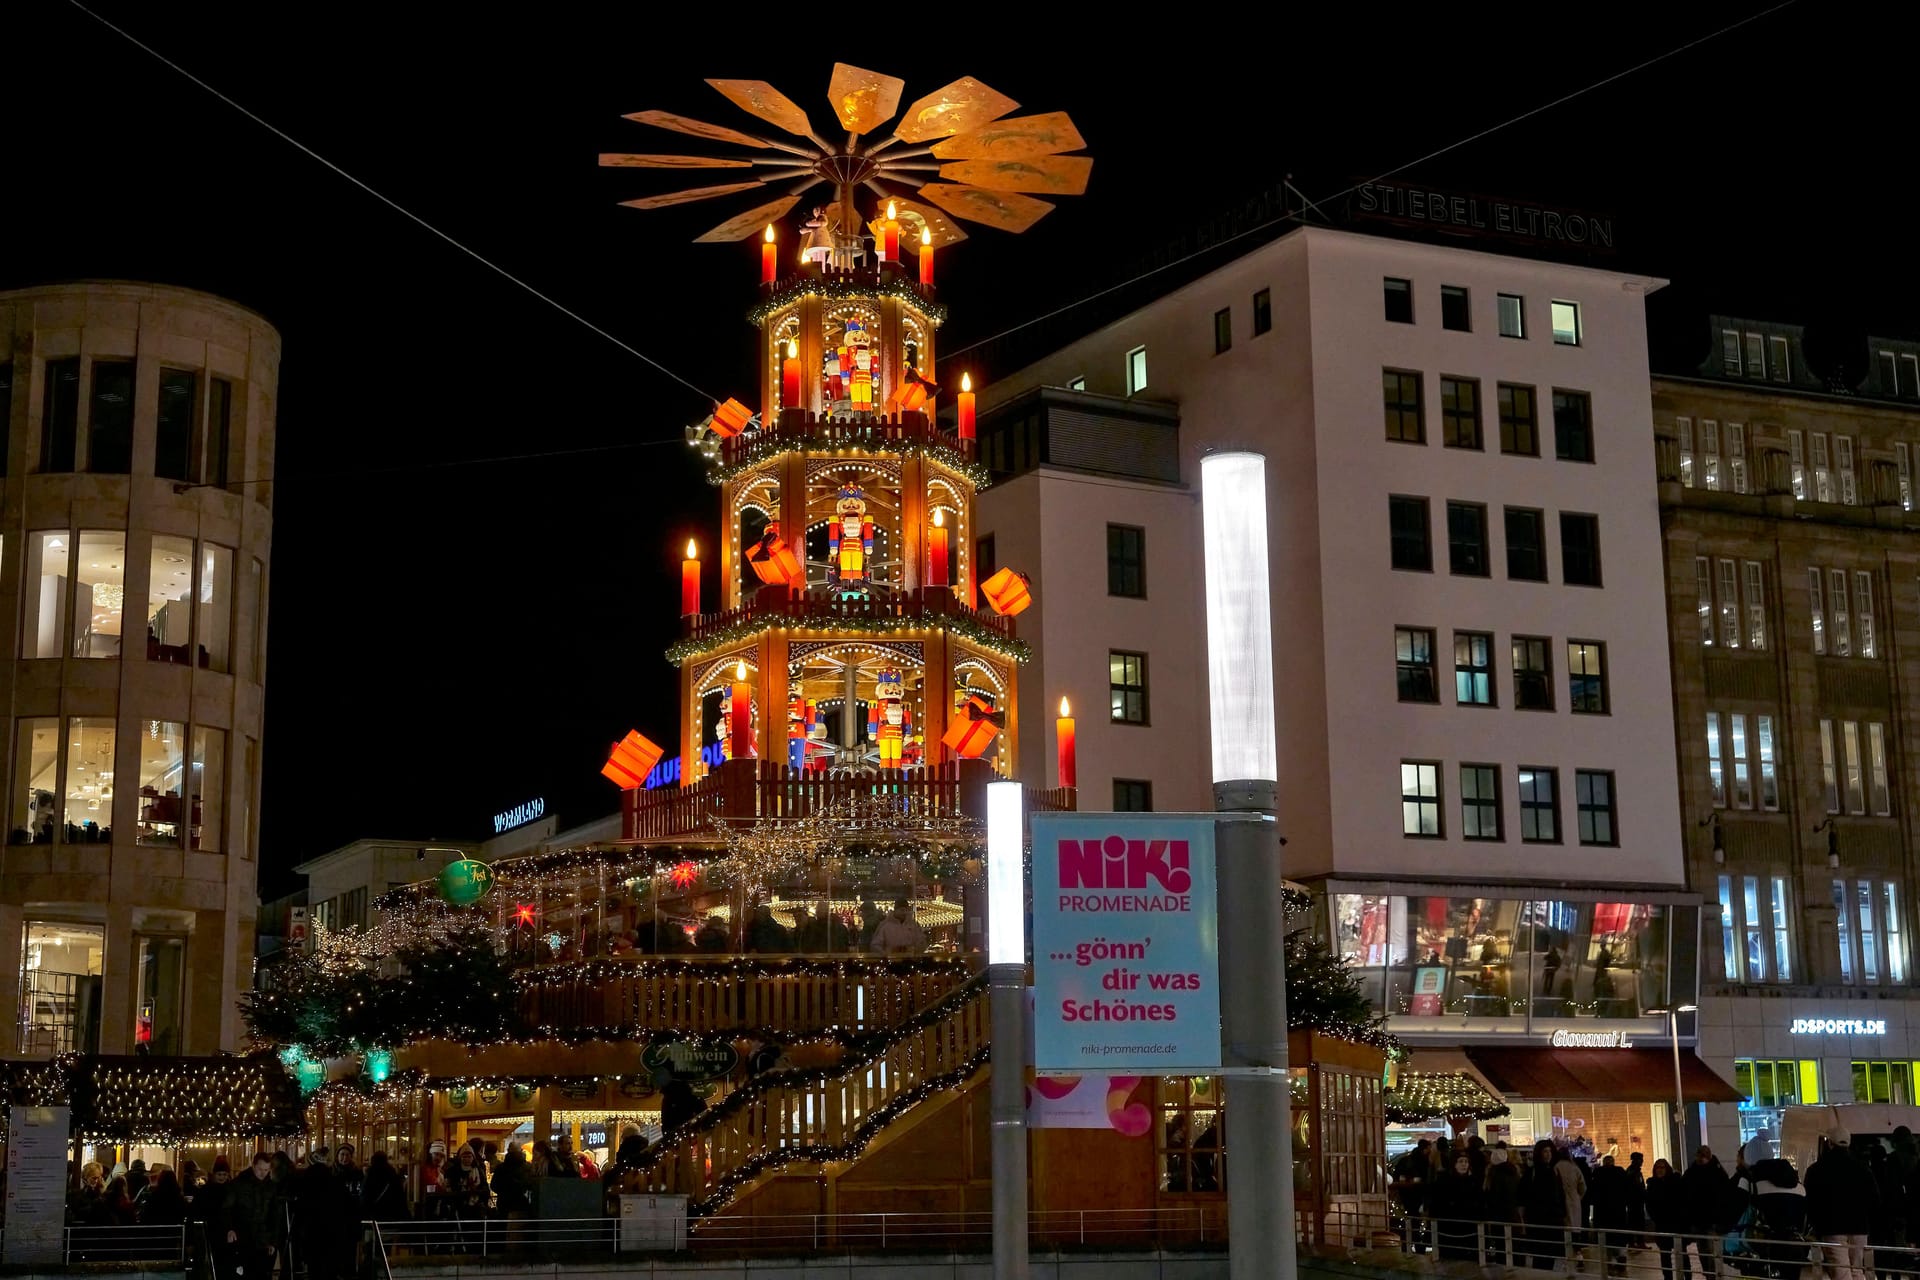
[937, 552]
[890, 237]
[1069, 766]
[740, 721]
[790, 376]
[966, 406]
[926, 258]
[769, 269]
[690, 582]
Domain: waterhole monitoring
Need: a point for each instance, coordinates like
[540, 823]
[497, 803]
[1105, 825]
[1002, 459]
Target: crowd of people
[1853, 1213]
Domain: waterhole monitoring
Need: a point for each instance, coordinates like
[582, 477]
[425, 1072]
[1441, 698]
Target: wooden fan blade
[1002, 209]
[623, 160]
[964, 104]
[690, 195]
[746, 225]
[913, 215]
[698, 128]
[864, 100]
[758, 98]
[1021, 138]
[1049, 175]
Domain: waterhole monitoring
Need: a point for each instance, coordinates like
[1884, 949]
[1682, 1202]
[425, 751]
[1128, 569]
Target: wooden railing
[615, 998]
[880, 432]
[823, 609]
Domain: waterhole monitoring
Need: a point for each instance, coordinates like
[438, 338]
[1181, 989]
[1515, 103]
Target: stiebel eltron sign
[1126, 957]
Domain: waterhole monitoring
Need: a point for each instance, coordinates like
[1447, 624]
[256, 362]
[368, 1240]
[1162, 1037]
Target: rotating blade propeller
[964, 104]
[697, 128]
[863, 100]
[690, 195]
[758, 98]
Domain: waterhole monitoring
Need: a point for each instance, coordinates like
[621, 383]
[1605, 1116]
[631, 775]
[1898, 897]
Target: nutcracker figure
[858, 366]
[850, 540]
[889, 696]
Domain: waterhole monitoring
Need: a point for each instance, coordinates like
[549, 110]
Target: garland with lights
[593, 971]
[764, 445]
[166, 1101]
[734, 634]
[838, 287]
[1419, 1096]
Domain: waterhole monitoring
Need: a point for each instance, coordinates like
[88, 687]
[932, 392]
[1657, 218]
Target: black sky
[447, 641]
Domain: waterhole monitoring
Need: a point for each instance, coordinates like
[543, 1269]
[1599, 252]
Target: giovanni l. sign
[1592, 1040]
[1126, 956]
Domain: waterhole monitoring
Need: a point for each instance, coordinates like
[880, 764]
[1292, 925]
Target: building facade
[135, 540]
[1469, 636]
[1793, 562]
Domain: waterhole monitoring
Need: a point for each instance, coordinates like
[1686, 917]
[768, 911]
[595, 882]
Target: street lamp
[1679, 1094]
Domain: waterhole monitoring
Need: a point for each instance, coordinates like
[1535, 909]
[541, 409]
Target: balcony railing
[877, 432]
[823, 609]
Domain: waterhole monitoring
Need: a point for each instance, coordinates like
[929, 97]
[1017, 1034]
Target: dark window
[1126, 561]
[985, 562]
[1262, 312]
[1532, 674]
[1587, 677]
[173, 441]
[1413, 664]
[1399, 300]
[1579, 550]
[1593, 805]
[1420, 798]
[1454, 310]
[1513, 317]
[60, 415]
[1539, 805]
[1412, 536]
[1572, 426]
[110, 425]
[219, 433]
[6, 414]
[1526, 544]
[1132, 795]
[1127, 681]
[1467, 539]
[1473, 668]
[1401, 392]
[1460, 413]
[1223, 330]
[1479, 802]
[1519, 421]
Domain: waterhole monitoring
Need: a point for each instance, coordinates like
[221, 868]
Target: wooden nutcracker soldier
[850, 540]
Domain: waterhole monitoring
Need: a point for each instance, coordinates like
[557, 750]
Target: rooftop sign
[1482, 214]
[1592, 1040]
[520, 815]
[1839, 1027]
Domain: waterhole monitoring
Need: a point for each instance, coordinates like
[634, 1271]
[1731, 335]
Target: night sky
[448, 640]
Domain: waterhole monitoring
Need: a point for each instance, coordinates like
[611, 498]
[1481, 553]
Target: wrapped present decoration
[632, 760]
[773, 561]
[730, 419]
[1008, 592]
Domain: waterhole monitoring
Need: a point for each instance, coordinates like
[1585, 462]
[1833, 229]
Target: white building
[1470, 641]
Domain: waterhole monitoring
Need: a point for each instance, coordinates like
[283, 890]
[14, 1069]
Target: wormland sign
[1126, 944]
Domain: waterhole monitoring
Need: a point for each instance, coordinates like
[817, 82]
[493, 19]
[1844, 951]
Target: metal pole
[1679, 1094]
[1008, 983]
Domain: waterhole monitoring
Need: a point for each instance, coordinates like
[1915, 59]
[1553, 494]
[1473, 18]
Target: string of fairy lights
[754, 625]
[165, 1101]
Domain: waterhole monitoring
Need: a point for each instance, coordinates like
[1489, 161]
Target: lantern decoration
[849, 540]
[690, 582]
[740, 714]
[730, 419]
[1008, 592]
[769, 268]
[632, 760]
[523, 916]
[1069, 763]
[965, 406]
[890, 236]
[973, 728]
[937, 551]
[790, 376]
[926, 257]
[857, 366]
[773, 561]
[889, 696]
[683, 875]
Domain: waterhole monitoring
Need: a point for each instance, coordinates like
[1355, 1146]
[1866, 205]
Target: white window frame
[1553, 323]
[1756, 354]
[1797, 455]
[1754, 586]
[1716, 768]
[1873, 944]
[1686, 452]
[1729, 581]
[1829, 769]
[1730, 362]
[1709, 454]
[1903, 460]
[1519, 314]
[1843, 463]
[1854, 764]
[1736, 457]
[1879, 799]
[1817, 606]
[1893, 372]
[1766, 751]
[1863, 615]
[1822, 475]
[1912, 362]
[1756, 917]
[1136, 371]
[1738, 744]
[1780, 359]
[1703, 584]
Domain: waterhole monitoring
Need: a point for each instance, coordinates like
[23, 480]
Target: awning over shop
[1539, 1074]
[1437, 1083]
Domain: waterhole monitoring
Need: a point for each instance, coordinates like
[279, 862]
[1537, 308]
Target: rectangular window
[1716, 774]
[1736, 457]
[1896, 936]
[1413, 664]
[1703, 585]
[1579, 549]
[1593, 800]
[1406, 421]
[1223, 330]
[99, 592]
[1126, 561]
[36, 755]
[1479, 802]
[1863, 613]
[1532, 674]
[1455, 311]
[1526, 544]
[1822, 475]
[60, 988]
[1398, 296]
[110, 421]
[1566, 323]
[1751, 933]
[215, 614]
[1519, 421]
[1818, 611]
[1572, 426]
[1729, 932]
[1843, 463]
[90, 780]
[1587, 677]
[1829, 768]
[1467, 539]
[173, 439]
[258, 594]
[1780, 366]
[1869, 932]
[1539, 805]
[1513, 317]
[1742, 771]
[1127, 683]
[60, 415]
[1132, 795]
[208, 790]
[1729, 604]
[986, 560]
[160, 977]
[1756, 355]
[1730, 352]
[1797, 462]
[1412, 537]
[219, 457]
[1903, 462]
[1877, 768]
[1473, 668]
[1684, 428]
[1769, 778]
[1262, 312]
[170, 600]
[1136, 371]
[1855, 776]
[45, 587]
[243, 794]
[1839, 630]
[1782, 957]
[1189, 1135]
[1460, 413]
[1710, 453]
[1756, 605]
[1420, 798]
[163, 767]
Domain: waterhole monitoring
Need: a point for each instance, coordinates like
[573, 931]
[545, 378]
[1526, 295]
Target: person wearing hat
[251, 1218]
[1841, 1200]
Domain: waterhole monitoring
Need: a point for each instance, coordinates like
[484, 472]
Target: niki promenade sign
[1126, 956]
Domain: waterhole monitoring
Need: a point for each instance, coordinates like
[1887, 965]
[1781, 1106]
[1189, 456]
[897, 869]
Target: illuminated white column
[1253, 930]
[1007, 979]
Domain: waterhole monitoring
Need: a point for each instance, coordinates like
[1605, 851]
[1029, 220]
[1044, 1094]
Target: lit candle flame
[740, 669]
[926, 237]
[966, 382]
[691, 553]
[1064, 710]
[938, 518]
[793, 348]
[889, 211]
[769, 233]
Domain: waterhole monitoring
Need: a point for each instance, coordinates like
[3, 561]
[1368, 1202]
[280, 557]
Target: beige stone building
[135, 534]
[1793, 582]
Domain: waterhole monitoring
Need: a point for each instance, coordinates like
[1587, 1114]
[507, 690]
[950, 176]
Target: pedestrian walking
[1841, 1201]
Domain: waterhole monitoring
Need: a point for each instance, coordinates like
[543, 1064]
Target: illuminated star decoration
[683, 875]
[523, 915]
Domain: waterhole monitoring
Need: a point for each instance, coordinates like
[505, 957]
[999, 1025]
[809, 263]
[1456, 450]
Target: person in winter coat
[1777, 1229]
[1609, 1191]
[1706, 1187]
[1667, 1210]
[1457, 1205]
[1503, 1201]
[250, 1215]
[900, 934]
[767, 935]
[383, 1192]
[513, 1184]
[1412, 1176]
[1842, 1198]
[1889, 1230]
[165, 1204]
[712, 937]
[1543, 1205]
[1573, 1189]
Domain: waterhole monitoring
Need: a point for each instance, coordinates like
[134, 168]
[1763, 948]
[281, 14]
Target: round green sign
[465, 882]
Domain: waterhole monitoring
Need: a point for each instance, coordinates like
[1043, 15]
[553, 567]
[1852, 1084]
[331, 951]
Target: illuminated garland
[762, 446]
[167, 1101]
[735, 634]
[1430, 1095]
[592, 971]
[837, 288]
